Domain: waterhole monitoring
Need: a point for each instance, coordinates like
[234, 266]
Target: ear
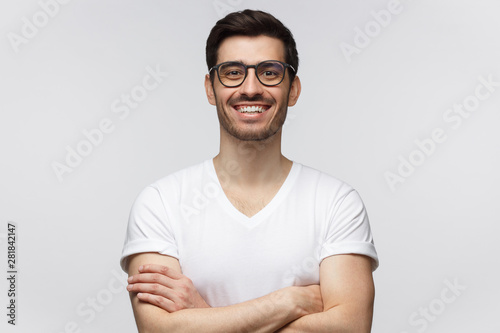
[209, 89]
[294, 93]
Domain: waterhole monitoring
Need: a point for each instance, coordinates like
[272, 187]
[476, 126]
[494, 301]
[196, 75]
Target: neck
[251, 164]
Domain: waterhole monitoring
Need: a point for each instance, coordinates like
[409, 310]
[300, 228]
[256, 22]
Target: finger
[154, 289]
[152, 278]
[164, 270]
[159, 301]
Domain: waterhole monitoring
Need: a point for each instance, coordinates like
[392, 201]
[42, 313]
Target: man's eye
[232, 70]
[234, 73]
[269, 73]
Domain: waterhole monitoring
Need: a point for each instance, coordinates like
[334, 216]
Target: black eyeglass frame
[285, 65]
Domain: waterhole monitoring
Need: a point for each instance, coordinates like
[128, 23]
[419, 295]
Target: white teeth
[254, 108]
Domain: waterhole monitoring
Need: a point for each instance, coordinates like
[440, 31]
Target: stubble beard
[248, 134]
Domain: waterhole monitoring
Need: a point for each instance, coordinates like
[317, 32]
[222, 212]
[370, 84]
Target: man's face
[232, 102]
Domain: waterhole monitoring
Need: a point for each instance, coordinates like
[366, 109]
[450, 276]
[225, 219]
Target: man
[250, 241]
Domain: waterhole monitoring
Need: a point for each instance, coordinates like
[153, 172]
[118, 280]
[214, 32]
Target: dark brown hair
[251, 23]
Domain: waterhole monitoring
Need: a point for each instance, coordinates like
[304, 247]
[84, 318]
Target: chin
[252, 136]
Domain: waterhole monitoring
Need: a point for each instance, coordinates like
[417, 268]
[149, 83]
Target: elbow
[152, 327]
[172, 325]
[145, 328]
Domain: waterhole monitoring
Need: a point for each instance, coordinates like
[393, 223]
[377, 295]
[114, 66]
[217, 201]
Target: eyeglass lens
[269, 73]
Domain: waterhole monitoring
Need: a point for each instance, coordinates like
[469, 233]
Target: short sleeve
[348, 230]
[148, 228]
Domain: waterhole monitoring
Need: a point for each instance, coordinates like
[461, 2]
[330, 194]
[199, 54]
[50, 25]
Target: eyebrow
[246, 64]
[239, 60]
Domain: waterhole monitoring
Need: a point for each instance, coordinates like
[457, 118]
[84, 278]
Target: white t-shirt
[232, 258]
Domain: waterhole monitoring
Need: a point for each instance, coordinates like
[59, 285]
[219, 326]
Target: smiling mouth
[251, 108]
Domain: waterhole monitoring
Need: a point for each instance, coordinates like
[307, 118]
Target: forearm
[337, 319]
[264, 314]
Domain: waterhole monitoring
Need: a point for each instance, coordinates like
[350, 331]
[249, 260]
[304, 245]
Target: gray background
[357, 117]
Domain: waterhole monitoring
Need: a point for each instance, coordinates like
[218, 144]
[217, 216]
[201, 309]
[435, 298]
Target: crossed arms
[164, 300]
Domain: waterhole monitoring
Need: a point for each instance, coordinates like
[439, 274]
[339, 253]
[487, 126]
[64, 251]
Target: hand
[309, 299]
[165, 288]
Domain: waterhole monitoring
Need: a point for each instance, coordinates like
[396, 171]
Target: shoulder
[321, 181]
[172, 186]
[191, 174]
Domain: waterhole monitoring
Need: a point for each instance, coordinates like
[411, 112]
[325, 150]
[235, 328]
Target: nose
[251, 86]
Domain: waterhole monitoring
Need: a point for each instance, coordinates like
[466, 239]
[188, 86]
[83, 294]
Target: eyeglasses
[269, 73]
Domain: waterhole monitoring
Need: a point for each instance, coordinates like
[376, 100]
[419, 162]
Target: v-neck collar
[261, 215]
